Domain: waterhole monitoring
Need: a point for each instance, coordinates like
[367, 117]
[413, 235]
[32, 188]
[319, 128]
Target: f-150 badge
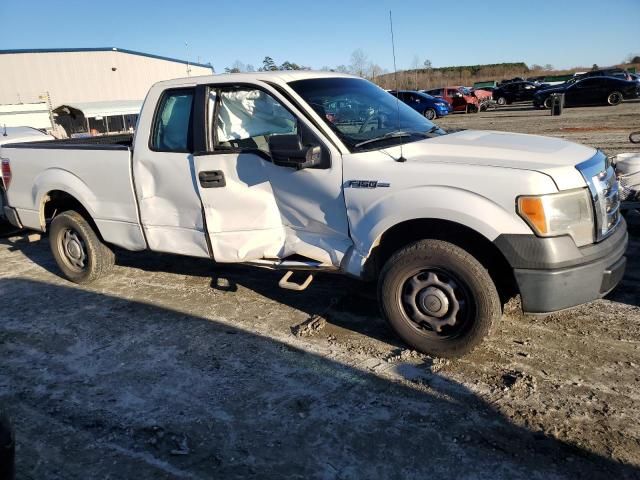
[366, 184]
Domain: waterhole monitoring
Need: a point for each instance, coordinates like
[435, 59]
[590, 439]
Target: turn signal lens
[533, 210]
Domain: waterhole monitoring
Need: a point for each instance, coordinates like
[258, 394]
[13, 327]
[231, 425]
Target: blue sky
[564, 33]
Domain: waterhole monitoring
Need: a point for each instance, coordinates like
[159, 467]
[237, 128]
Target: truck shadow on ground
[102, 387]
[342, 301]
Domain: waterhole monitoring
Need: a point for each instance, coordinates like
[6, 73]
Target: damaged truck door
[258, 207]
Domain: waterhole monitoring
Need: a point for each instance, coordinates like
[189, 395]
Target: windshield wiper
[386, 136]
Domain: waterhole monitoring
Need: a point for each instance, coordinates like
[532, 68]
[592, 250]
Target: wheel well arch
[483, 249]
[58, 201]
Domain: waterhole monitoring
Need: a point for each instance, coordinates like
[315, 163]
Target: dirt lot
[176, 368]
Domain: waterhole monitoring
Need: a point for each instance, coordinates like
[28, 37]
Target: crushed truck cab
[254, 169]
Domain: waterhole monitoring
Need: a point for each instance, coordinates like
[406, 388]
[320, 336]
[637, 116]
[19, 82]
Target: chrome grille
[605, 193]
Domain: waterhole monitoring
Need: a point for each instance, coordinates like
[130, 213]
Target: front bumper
[553, 274]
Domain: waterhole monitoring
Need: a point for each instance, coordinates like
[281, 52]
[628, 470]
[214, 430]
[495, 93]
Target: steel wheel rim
[431, 114]
[436, 303]
[73, 250]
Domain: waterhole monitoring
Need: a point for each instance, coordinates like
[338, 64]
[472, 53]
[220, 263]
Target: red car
[463, 99]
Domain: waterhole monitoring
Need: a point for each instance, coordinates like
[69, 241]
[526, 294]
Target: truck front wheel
[78, 251]
[438, 298]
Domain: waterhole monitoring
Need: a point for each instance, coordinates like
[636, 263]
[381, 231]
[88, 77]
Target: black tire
[471, 300]
[430, 114]
[547, 103]
[502, 101]
[78, 251]
[614, 98]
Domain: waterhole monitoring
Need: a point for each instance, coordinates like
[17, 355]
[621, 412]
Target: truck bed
[96, 172]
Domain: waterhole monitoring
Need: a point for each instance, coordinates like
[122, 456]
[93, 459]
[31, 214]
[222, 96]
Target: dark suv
[508, 93]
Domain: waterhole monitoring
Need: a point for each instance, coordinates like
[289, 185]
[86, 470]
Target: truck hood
[551, 156]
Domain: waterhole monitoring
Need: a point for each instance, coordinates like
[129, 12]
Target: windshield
[362, 114]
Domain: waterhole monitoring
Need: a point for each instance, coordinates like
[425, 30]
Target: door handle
[212, 179]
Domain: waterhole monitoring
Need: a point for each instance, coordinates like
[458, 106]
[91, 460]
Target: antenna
[186, 46]
[395, 78]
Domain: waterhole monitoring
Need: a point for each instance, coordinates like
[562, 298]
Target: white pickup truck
[323, 172]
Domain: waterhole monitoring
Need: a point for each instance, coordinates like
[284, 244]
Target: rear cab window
[172, 124]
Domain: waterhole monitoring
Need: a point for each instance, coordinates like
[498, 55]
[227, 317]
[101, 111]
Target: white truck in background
[323, 172]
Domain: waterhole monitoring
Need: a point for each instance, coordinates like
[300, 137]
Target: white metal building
[92, 77]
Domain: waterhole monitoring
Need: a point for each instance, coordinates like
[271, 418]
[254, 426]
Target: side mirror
[286, 151]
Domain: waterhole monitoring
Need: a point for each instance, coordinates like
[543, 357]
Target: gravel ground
[177, 368]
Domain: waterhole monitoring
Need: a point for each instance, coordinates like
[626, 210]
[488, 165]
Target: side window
[172, 125]
[247, 118]
[587, 83]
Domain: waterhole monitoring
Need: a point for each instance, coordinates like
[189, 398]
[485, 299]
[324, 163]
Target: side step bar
[298, 287]
[292, 266]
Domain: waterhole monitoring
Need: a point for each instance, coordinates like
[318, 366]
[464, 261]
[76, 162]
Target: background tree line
[421, 74]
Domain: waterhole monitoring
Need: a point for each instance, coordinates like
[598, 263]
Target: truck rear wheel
[438, 298]
[78, 251]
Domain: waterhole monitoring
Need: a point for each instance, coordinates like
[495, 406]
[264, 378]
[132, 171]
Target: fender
[64, 181]
[436, 202]
[112, 220]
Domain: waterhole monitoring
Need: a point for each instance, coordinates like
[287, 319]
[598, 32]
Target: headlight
[564, 213]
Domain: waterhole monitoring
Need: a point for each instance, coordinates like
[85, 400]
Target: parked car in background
[430, 107]
[489, 85]
[17, 135]
[510, 80]
[461, 98]
[590, 91]
[512, 92]
[482, 93]
[605, 72]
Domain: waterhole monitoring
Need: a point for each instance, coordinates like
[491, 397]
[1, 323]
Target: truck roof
[284, 76]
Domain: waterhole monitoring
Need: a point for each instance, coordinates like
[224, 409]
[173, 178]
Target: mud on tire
[80, 254]
[438, 298]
